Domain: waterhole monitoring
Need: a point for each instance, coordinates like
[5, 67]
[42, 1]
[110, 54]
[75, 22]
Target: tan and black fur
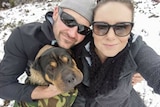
[54, 65]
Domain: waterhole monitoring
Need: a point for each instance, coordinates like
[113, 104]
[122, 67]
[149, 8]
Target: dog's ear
[36, 64]
[42, 50]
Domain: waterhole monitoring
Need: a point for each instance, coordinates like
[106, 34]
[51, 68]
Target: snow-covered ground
[147, 24]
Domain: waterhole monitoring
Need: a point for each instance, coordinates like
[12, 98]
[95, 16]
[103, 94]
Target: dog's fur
[54, 65]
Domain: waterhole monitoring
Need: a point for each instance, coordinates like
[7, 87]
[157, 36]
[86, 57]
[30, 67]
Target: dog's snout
[70, 78]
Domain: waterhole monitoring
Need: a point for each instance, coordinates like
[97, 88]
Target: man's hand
[136, 78]
[41, 92]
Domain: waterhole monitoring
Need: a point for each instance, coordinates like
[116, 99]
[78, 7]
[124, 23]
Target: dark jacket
[142, 59]
[21, 48]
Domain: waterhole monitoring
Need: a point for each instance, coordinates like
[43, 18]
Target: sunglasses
[120, 29]
[69, 21]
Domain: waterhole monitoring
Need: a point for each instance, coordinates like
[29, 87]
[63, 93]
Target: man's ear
[36, 64]
[55, 13]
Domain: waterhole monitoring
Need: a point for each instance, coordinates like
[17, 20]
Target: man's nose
[73, 31]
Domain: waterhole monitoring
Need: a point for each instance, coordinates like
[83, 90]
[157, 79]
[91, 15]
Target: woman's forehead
[113, 11]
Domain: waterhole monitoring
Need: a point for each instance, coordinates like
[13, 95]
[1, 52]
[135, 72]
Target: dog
[55, 65]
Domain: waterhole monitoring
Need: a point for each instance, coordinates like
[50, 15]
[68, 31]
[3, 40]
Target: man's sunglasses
[120, 29]
[69, 21]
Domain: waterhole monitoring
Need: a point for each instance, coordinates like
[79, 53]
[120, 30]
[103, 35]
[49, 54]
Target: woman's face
[110, 44]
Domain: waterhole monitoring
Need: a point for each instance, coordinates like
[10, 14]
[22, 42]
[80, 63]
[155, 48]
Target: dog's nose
[70, 78]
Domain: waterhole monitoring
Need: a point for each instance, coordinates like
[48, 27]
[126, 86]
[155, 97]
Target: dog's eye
[50, 69]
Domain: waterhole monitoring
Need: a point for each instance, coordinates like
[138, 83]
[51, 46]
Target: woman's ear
[55, 13]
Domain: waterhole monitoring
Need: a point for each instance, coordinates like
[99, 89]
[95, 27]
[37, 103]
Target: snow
[147, 24]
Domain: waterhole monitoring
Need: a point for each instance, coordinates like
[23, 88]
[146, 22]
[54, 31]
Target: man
[66, 27]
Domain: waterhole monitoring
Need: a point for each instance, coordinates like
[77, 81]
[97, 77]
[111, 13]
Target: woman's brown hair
[128, 3]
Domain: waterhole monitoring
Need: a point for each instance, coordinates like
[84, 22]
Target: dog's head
[58, 68]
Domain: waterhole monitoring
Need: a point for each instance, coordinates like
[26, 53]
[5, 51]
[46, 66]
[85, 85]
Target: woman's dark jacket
[141, 59]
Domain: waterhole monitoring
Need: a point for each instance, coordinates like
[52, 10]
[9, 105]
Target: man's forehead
[79, 18]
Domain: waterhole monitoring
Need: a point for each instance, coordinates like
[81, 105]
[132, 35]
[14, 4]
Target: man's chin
[66, 46]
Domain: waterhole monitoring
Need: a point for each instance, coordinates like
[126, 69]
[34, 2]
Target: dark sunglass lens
[123, 29]
[68, 20]
[83, 29]
[69, 23]
[100, 28]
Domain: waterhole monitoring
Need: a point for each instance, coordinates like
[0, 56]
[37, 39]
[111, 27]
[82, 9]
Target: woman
[111, 58]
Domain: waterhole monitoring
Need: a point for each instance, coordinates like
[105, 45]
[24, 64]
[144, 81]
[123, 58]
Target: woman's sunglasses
[69, 21]
[120, 29]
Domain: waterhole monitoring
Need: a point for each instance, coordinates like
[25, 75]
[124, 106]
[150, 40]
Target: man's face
[65, 33]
